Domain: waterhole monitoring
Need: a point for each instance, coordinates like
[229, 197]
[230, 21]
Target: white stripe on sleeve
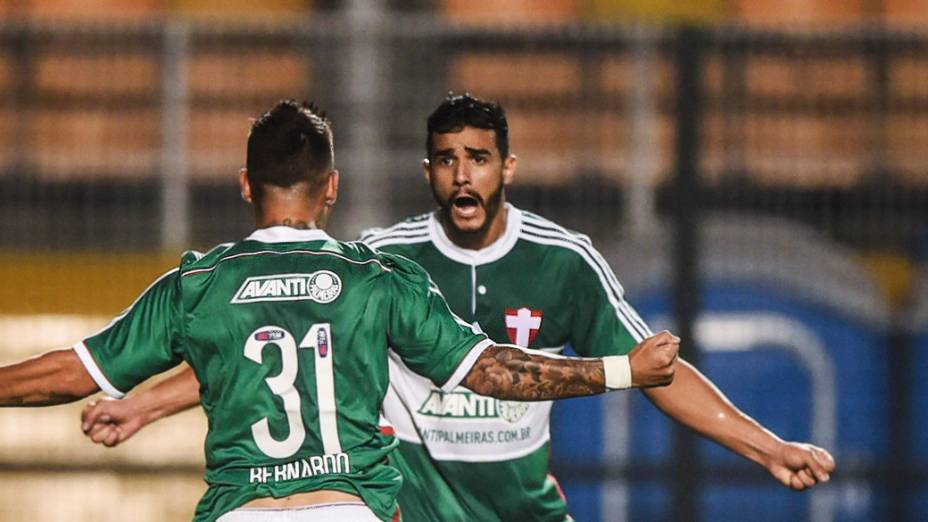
[466, 364]
[95, 372]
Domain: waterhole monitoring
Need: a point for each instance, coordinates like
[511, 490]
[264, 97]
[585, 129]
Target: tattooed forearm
[39, 400]
[55, 377]
[512, 374]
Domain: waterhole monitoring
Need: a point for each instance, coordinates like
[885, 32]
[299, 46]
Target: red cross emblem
[522, 325]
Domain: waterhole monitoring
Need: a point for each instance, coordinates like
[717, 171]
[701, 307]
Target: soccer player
[287, 332]
[519, 276]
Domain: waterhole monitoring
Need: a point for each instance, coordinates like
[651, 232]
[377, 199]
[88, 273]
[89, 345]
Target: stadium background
[755, 171]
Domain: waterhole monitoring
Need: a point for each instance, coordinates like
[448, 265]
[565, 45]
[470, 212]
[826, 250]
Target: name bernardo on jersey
[301, 468]
[322, 286]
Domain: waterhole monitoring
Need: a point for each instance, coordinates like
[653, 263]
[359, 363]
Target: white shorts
[334, 512]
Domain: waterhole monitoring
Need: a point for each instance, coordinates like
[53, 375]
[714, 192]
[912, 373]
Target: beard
[467, 198]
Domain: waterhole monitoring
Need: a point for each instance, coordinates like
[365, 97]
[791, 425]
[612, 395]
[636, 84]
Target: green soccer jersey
[467, 457]
[288, 333]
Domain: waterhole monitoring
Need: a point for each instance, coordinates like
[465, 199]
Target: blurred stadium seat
[506, 76]
[905, 13]
[239, 9]
[91, 10]
[80, 73]
[802, 12]
[510, 12]
[806, 151]
[260, 74]
[809, 78]
[97, 115]
[95, 144]
[804, 120]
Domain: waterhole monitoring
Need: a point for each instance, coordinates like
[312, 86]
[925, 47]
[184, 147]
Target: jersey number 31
[319, 339]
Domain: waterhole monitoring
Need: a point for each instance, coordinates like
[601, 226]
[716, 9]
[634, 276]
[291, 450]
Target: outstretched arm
[501, 371]
[695, 402]
[55, 377]
[511, 373]
[111, 422]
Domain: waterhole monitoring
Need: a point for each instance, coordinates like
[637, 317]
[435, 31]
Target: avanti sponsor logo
[468, 405]
[323, 286]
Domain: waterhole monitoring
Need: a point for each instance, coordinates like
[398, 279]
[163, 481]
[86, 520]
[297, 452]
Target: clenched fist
[800, 466]
[654, 360]
[110, 422]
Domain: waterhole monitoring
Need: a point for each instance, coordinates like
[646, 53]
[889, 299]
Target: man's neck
[287, 222]
[290, 212]
[479, 239]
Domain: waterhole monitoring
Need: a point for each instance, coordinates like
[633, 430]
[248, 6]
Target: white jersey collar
[285, 234]
[496, 251]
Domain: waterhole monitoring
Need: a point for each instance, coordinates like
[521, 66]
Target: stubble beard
[491, 207]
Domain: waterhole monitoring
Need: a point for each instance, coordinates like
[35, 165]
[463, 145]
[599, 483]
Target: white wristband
[618, 371]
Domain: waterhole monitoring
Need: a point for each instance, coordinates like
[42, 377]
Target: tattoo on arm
[54, 377]
[49, 399]
[513, 374]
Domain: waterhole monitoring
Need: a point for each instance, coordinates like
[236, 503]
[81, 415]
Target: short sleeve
[140, 342]
[603, 322]
[423, 331]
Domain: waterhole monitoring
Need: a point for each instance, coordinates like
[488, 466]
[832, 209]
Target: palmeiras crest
[523, 325]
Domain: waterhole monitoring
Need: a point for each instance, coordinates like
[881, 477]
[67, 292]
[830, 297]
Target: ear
[244, 185]
[425, 170]
[509, 169]
[331, 188]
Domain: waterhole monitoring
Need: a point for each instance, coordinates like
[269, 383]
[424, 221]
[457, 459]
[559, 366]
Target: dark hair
[289, 144]
[464, 110]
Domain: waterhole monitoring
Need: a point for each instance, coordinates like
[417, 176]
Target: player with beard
[514, 275]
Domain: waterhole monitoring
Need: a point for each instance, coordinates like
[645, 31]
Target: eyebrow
[478, 152]
[470, 150]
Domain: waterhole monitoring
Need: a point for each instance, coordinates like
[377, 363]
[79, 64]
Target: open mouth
[465, 205]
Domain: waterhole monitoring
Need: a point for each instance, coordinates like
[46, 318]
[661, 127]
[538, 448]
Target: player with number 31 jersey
[250, 317]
